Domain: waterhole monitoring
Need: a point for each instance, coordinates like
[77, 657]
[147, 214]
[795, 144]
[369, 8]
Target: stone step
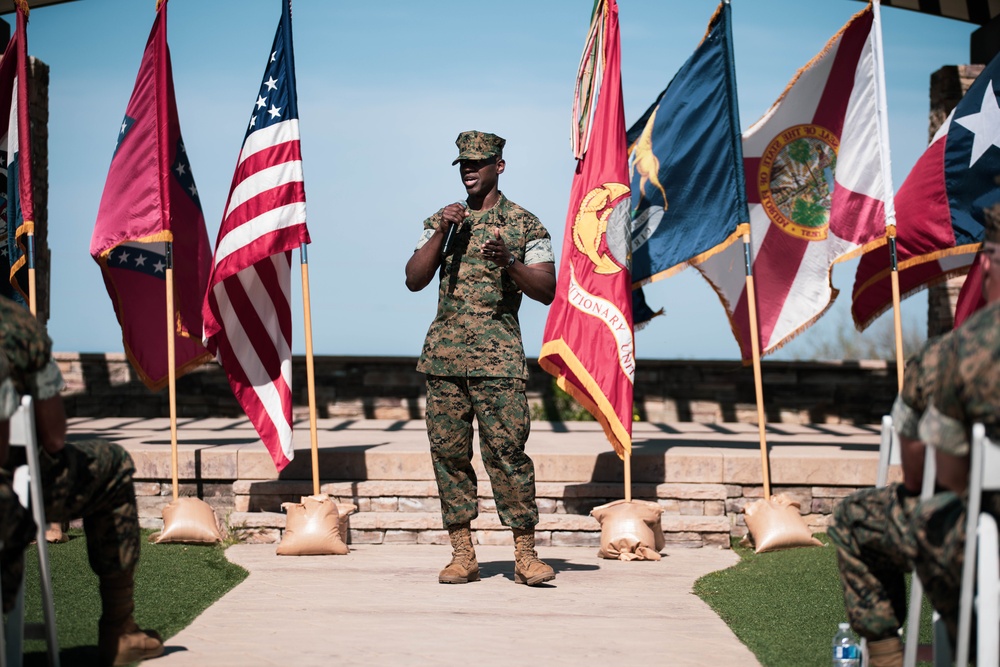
[427, 528]
[229, 449]
[703, 475]
[561, 497]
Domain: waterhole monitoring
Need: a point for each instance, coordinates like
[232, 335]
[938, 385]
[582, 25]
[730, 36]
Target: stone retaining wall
[858, 392]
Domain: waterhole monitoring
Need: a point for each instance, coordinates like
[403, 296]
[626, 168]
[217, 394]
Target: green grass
[174, 584]
[784, 605]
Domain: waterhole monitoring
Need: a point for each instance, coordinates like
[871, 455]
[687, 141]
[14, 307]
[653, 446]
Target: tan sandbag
[312, 528]
[630, 530]
[344, 510]
[776, 524]
[188, 521]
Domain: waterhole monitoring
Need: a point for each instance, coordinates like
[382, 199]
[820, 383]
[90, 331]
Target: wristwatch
[510, 262]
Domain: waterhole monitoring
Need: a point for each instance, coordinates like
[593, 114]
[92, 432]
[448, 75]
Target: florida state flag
[588, 343]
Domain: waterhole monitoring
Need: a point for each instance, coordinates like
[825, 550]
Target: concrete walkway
[382, 606]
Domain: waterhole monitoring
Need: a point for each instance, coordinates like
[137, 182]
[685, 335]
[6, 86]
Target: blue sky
[384, 88]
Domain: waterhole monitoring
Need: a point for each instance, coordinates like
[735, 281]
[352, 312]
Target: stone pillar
[948, 85]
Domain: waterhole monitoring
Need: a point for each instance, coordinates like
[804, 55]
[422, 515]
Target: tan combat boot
[885, 653]
[120, 641]
[463, 567]
[528, 568]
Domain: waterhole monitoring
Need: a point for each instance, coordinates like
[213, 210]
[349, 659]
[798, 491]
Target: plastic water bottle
[846, 651]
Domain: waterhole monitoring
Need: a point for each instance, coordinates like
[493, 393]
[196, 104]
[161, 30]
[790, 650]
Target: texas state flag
[940, 207]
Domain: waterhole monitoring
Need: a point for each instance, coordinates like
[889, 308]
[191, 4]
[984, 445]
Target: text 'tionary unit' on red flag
[149, 200]
[588, 344]
[247, 310]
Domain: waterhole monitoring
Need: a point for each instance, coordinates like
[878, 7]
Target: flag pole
[890, 204]
[896, 317]
[32, 293]
[628, 476]
[310, 369]
[757, 383]
[171, 372]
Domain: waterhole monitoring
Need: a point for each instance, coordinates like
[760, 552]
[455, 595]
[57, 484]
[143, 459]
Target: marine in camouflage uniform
[473, 356]
[90, 479]
[16, 527]
[872, 527]
[968, 392]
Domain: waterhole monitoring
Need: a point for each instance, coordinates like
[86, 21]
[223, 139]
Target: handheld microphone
[449, 239]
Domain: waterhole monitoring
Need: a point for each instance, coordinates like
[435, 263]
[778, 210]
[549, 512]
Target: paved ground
[382, 606]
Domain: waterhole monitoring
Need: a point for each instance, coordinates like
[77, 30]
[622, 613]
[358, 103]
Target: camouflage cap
[474, 145]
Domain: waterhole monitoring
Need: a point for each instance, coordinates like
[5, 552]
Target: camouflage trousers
[501, 411]
[89, 479]
[876, 546]
[939, 526]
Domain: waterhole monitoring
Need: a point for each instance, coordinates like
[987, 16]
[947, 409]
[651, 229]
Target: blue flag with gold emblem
[686, 162]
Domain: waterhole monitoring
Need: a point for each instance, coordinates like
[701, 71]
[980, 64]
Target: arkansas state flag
[149, 201]
[941, 205]
[17, 211]
[588, 343]
[816, 166]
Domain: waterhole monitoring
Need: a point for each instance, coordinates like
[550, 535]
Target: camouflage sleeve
[943, 424]
[538, 243]
[47, 382]
[8, 397]
[430, 224]
[25, 344]
[913, 385]
[539, 251]
[943, 433]
[905, 419]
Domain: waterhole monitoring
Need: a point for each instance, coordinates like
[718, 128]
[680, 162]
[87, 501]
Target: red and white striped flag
[247, 310]
[818, 188]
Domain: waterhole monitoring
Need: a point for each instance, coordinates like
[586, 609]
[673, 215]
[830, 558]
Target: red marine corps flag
[588, 344]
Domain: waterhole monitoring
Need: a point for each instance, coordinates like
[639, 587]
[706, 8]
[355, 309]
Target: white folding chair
[889, 454]
[942, 646]
[28, 485]
[888, 451]
[982, 588]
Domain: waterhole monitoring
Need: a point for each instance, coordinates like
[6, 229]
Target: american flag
[247, 310]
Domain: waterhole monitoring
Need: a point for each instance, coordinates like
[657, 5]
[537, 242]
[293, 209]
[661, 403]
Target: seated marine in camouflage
[968, 392]
[872, 528]
[89, 479]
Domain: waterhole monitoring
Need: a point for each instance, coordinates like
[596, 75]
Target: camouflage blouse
[476, 332]
[918, 385]
[28, 350]
[968, 389]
